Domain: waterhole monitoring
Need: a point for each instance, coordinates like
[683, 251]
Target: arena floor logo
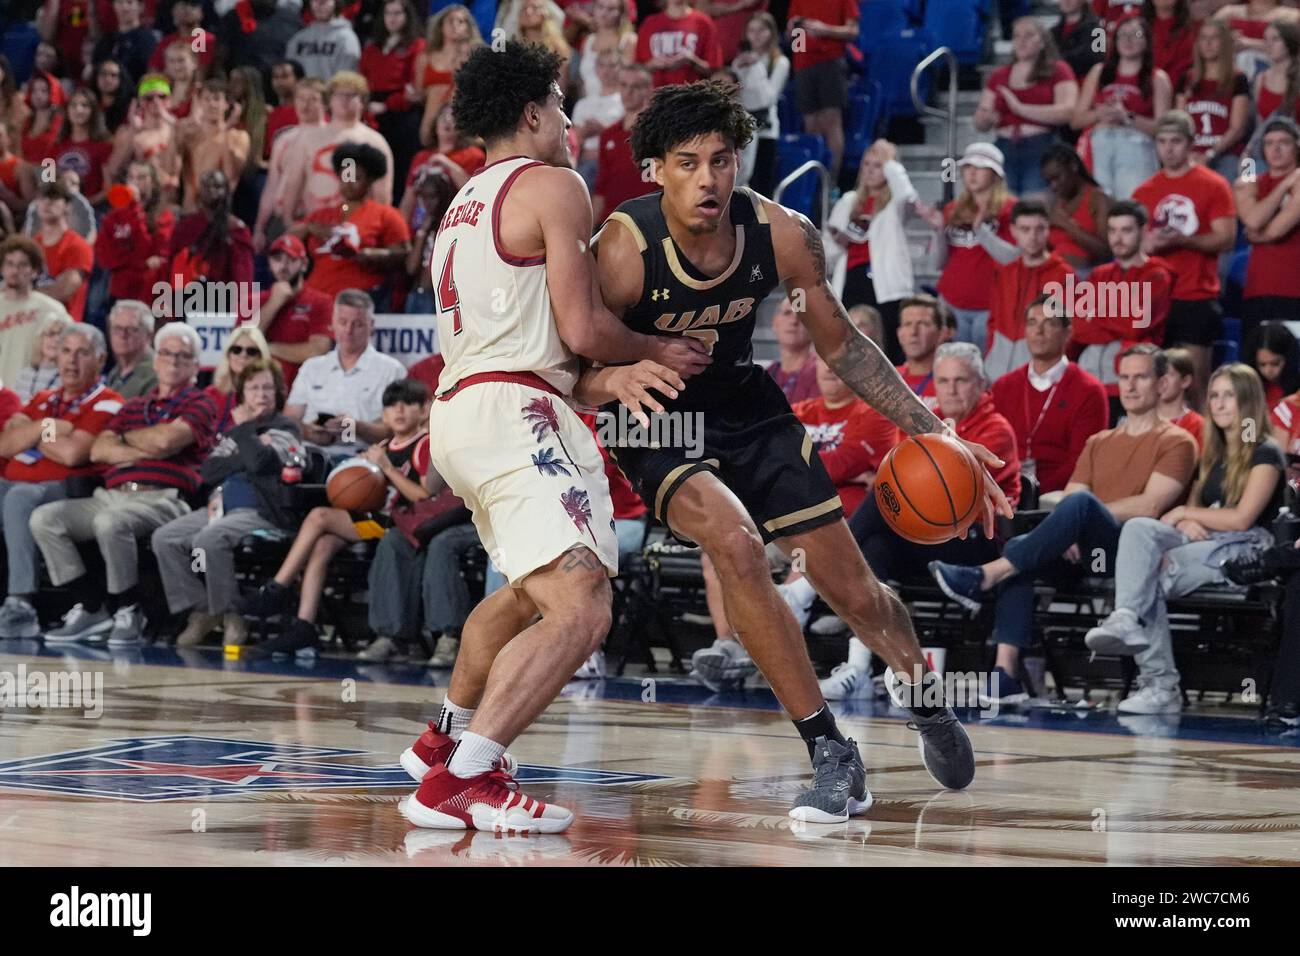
[183, 767]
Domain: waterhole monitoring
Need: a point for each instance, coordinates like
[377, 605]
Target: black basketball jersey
[676, 299]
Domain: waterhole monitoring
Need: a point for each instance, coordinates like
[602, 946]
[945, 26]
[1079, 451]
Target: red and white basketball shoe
[491, 801]
[433, 749]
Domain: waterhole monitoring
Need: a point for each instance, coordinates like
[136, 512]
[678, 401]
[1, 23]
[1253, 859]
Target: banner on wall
[407, 338]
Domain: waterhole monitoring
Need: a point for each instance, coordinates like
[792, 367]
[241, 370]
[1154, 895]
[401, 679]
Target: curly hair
[366, 157]
[680, 113]
[493, 88]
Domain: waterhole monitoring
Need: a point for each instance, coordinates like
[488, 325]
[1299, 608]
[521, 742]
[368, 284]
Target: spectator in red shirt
[44, 117]
[1118, 105]
[1018, 283]
[1276, 88]
[361, 242]
[1173, 36]
[152, 448]
[182, 72]
[924, 324]
[187, 17]
[962, 398]
[819, 32]
[1124, 302]
[1077, 209]
[39, 461]
[1269, 207]
[1172, 388]
[679, 45]
[1193, 220]
[285, 77]
[795, 371]
[388, 62]
[83, 145]
[456, 154]
[974, 235]
[1114, 12]
[295, 319]
[134, 238]
[1217, 97]
[211, 245]
[618, 177]
[1025, 101]
[1249, 23]
[1052, 404]
[68, 258]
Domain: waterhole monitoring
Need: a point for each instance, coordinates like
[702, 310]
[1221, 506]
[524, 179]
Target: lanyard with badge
[1029, 466]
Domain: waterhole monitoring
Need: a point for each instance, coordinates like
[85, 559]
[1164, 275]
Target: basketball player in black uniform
[697, 259]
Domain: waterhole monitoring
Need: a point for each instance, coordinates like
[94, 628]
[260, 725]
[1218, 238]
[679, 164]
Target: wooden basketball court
[199, 761]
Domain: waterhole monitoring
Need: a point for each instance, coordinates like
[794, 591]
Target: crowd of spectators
[1123, 194]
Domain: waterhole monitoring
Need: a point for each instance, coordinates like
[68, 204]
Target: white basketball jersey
[494, 309]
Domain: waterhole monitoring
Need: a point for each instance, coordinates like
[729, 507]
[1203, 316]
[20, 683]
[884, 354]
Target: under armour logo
[755, 273]
[656, 295]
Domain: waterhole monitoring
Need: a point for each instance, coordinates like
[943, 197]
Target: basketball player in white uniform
[517, 300]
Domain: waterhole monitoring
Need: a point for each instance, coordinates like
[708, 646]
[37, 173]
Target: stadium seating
[794, 150]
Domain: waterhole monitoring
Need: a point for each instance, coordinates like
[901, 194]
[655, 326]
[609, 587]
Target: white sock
[474, 755]
[453, 719]
[859, 655]
[801, 592]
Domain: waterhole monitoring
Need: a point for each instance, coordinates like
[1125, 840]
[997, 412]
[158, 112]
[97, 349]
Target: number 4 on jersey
[448, 297]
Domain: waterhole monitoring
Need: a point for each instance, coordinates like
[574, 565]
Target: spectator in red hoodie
[134, 241]
[212, 245]
[1018, 283]
[959, 374]
[1124, 302]
[1052, 404]
[44, 117]
[187, 17]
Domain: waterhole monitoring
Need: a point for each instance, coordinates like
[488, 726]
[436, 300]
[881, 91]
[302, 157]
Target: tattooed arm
[856, 359]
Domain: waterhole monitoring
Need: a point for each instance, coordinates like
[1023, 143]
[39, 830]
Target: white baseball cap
[983, 155]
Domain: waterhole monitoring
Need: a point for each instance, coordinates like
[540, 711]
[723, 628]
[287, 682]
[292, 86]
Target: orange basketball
[929, 488]
[357, 485]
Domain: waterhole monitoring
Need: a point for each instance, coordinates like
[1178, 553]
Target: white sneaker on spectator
[845, 681]
[81, 625]
[379, 650]
[828, 626]
[724, 663]
[790, 594]
[128, 627]
[18, 619]
[1120, 634]
[593, 668]
[444, 653]
[1153, 700]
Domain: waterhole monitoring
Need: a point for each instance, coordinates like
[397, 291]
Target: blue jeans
[20, 499]
[1122, 159]
[631, 537]
[1024, 160]
[972, 325]
[1079, 519]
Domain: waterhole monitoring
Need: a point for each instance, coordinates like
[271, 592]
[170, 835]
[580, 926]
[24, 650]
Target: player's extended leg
[574, 598]
[704, 510]
[495, 622]
[834, 564]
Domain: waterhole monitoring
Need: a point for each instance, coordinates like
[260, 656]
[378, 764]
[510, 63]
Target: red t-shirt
[1211, 111]
[618, 177]
[36, 148]
[1127, 91]
[389, 73]
[9, 172]
[1052, 435]
[1061, 242]
[662, 36]
[89, 413]
[70, 252]
[834, 13]
[1173, 48]
[306, 314]
[1188, 203]
[87, 157]
[965, 279]
[1273, 267]
[1039, 93]
[851, 440]
[372, 225]
[1193, 423]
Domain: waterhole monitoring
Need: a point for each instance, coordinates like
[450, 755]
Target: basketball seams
[889, 479]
